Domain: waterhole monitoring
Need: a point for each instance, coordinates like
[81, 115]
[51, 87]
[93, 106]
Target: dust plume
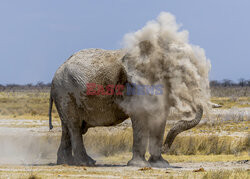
[28, 149]
[160, 53]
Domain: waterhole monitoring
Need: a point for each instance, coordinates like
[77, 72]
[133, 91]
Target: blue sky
[37, 36]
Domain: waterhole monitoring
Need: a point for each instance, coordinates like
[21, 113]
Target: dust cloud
[160, 53]
[27, 149]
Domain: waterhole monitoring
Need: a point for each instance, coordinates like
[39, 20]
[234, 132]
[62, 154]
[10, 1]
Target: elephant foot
[91, 160]
[158, 162]
[84, 161]
[69, 160]
[138, 162]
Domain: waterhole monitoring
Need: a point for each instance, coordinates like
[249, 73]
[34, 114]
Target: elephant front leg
[64, 154]
[79, 152]
[156, 133]
[140, 141]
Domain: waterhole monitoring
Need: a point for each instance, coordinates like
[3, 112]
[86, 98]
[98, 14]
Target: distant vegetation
[40, 86]
[229, 88]
[223, 88]
[227, 83]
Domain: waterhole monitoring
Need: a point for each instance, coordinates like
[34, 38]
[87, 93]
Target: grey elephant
[79, 110]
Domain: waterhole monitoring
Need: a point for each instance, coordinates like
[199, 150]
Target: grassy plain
[222, 137]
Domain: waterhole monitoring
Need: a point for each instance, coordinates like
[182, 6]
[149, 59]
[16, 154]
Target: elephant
[79, 111]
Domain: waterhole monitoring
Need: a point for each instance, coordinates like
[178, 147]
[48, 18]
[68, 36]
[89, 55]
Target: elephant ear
[146, 48]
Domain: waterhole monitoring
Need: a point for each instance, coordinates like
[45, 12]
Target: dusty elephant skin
[78, 111]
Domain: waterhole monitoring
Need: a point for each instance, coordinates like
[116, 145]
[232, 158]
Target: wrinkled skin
[79, 111]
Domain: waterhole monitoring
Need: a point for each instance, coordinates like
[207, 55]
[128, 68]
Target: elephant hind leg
[71, 150]
[79, 152]
[84, 129]
[64, 154]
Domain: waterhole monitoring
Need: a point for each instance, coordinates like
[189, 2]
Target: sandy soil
[28, 147]
[115, 171]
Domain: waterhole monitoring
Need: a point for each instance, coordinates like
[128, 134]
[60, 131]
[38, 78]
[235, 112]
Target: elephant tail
[50, 111]
[181, 126]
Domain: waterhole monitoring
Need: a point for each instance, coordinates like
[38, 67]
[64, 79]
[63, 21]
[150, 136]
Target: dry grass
[80, 172]
[114, 140]
[108, 142]
[33, 104]
[117, 146]
[206, 145]
[24, 104]
[229, 102]
[203, 143]
[124, 157]
[225, 174]
[230, 91]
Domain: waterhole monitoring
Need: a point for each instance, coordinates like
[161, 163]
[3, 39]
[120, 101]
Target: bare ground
[28, 148]
[115, 171]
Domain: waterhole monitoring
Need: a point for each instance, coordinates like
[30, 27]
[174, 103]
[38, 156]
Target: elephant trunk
[181, 126]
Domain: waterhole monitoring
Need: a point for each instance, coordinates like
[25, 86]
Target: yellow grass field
[218, 147]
